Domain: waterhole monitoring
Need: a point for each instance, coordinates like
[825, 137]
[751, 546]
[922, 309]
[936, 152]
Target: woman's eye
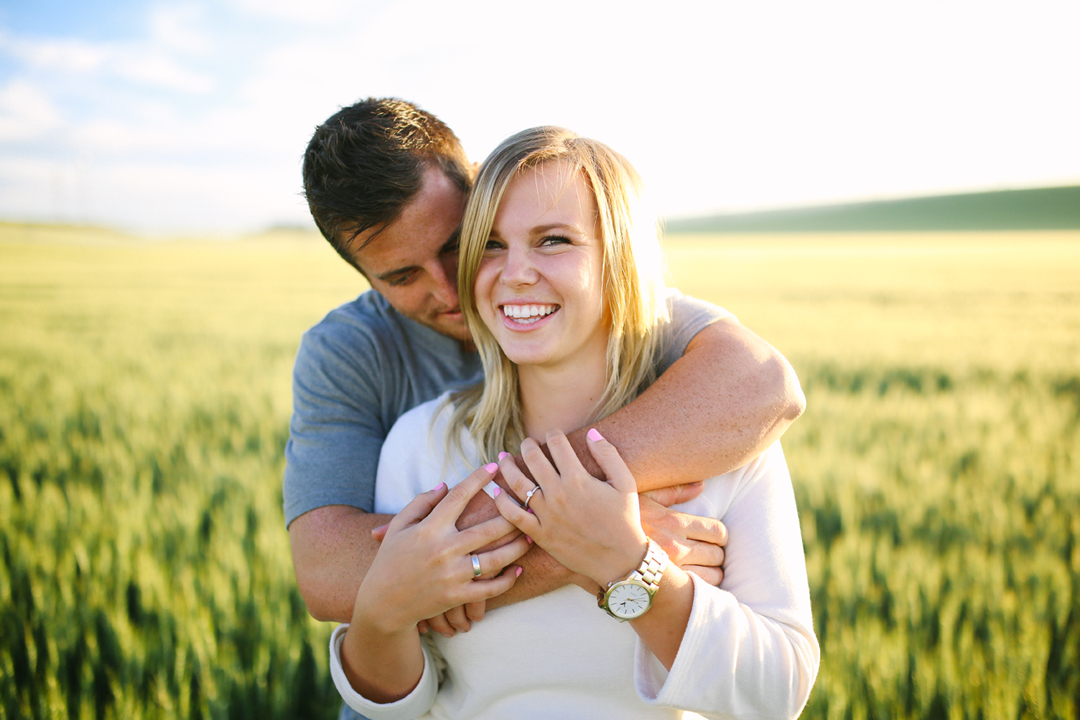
[555, 240]
[493, 245]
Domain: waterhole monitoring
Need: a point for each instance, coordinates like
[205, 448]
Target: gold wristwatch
[631, 598]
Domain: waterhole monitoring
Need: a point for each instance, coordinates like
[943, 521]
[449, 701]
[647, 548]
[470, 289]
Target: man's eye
[401, 280]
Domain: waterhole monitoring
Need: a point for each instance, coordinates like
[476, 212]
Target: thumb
[609, 460]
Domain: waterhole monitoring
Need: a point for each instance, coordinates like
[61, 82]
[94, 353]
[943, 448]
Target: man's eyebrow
[389, 274]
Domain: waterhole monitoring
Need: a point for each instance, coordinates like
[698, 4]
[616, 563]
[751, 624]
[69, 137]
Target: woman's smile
[539, 287]
[526, 314]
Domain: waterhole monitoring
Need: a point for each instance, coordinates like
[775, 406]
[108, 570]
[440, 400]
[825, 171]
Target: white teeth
[528, 313]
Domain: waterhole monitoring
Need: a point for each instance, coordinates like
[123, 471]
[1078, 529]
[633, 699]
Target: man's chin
[452, 325]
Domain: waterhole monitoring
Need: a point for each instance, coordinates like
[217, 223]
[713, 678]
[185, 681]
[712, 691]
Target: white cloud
[309, 12]
[146, 64]
[178, 27]
[26, 112]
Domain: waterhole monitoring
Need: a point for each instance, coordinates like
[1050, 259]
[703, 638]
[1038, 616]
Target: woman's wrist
[621, 562]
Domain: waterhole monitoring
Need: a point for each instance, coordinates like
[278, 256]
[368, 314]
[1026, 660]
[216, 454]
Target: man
[387, 183]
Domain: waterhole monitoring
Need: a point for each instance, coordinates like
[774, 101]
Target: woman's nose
[519, 269]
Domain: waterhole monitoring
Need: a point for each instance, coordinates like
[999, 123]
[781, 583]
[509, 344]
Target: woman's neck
[564, 398]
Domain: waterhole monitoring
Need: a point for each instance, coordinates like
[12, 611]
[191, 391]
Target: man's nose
[444, 282]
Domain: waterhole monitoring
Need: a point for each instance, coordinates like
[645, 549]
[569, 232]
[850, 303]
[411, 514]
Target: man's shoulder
[368, 315]
[684, 308]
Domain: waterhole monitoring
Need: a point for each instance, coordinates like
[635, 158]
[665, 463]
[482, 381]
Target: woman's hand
[590, 526]
[424, 566]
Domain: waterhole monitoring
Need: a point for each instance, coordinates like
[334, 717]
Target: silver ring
[476, 572]
[529, 495]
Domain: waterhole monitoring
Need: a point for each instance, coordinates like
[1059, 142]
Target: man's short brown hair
[367, 161]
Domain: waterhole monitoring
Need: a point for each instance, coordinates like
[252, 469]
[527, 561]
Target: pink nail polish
[438, 487]
[503, 454]
[594, 434]
[529, 539]
[492, 468]
[517, 573]
[497, 491]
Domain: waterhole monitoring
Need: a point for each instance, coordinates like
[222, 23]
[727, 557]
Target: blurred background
[192, 116]
[889, 194]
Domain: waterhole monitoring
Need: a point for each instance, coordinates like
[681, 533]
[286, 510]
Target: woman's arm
[748, 648]
[424, 567]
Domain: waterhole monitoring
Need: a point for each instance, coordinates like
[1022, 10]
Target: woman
[561, 283]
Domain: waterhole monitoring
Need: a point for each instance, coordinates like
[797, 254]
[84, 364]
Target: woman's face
[539, 285]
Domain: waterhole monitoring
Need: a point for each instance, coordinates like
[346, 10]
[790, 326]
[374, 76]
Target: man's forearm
[728, 398]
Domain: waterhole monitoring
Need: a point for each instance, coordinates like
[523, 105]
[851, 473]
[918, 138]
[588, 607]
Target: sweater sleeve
[413, 705]
[749, 649]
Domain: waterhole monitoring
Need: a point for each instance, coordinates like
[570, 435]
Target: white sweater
[749, 649]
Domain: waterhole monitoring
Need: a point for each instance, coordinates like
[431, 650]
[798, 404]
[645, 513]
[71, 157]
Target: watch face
[628, 600]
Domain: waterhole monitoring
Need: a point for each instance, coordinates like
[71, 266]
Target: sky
[181, 117]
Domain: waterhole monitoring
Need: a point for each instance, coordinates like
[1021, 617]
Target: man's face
[412, 262]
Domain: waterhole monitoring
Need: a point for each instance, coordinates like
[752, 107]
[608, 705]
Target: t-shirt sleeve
[689, 316]
[337, 429]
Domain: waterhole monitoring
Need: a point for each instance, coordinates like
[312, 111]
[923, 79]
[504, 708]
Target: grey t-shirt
[363, 366]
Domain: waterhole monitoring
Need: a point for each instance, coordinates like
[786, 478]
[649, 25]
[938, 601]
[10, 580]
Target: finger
[705, 529]
[475, 610]
[493, 561]
[486, 533]
[457, 619]
[418, 508]
[541, 468]
[566, 460]
[675, 495]
[458, 497]
[440, 625]
[712, 575]
[422, 626]
[609, 460]
[515, 479]
[485, 589]
[523, 520]
[379, 533]
[702, 553]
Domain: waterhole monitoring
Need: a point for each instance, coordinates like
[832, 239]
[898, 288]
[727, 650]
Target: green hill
[1056, 208]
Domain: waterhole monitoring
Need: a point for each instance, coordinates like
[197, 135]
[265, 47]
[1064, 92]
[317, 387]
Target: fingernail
[529, 539]
[594, 435]
[438, 487]
[529, 510]
[383, 527]
[497, 491]
[517, 573]
[503, 454]
[492, 468]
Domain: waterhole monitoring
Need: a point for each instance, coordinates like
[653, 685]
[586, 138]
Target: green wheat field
[144, 406]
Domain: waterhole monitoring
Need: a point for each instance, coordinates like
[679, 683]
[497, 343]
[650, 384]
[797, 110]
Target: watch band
[647, 574]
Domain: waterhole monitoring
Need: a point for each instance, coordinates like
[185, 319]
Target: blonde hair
[633, 273]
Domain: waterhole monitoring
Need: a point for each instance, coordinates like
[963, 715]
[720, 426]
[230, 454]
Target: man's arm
[728, 398]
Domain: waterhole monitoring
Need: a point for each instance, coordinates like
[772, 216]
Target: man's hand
[696, 544]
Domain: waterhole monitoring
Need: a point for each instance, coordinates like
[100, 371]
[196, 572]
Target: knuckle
[458, 494]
